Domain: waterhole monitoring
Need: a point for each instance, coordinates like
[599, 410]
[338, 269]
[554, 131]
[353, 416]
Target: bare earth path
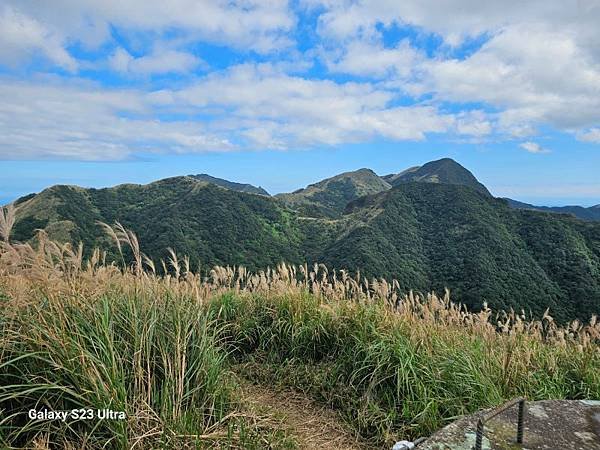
[312, 425]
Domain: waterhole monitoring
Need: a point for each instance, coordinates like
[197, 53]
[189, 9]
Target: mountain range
[590, 213]
[429, 227]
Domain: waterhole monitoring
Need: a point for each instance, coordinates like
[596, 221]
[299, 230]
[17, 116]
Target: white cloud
[158, 62]
[53, 120]
[120, 60]
[539, 66]
[22, 36]
[250, 107]
[455, 20]
[30, 27]
[533, 147]
[247, 24]
[535, 75]
[473, 123]
[364, 58]
[271, 106]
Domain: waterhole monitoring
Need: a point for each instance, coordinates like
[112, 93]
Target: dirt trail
[312, 425]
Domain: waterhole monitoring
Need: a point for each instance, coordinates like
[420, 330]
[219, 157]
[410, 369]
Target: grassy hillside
[444, 171]
[241, 187]
[426, 235]
[169, 351]
[329, 197]
[431, 236]
[211, 224]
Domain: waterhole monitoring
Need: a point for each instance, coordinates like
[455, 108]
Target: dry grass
[7, 221]
[313, 426]
[59, 269]
[408, 362]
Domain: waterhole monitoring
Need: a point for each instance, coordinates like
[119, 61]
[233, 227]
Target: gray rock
[549, 425]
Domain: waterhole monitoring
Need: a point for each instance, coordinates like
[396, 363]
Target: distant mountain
[328, 198]
[444, 171]
[592, 213]
[429, 233]
[391, 178]
[438, 235]
[240, 187]
[210, 224]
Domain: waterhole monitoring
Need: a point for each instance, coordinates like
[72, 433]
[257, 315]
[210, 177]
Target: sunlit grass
[88, 334]
[401, 373]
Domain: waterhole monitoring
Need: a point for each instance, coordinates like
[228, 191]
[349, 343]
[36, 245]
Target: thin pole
[520, 421]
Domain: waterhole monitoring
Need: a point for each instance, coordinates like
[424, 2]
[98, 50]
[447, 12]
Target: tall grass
[404, 372]
[91, 334]
[7, 221]
[156, 359]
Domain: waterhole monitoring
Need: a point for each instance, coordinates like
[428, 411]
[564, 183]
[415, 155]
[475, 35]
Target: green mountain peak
[444, 171]
[240, 187]
[329, 197]
[431, 230]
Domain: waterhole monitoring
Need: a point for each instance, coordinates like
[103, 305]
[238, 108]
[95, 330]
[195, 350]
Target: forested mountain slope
[431, 236]
[241, 187]
[329, 197]
[427, 235]
[211, 224]
[444, 171]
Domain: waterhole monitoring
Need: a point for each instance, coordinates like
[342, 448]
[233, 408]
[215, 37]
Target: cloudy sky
[281, 94]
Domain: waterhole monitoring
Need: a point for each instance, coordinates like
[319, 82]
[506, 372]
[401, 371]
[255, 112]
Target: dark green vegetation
[591, 213]
[210, 224]
[445, 171]
[328, 198]
[430, 227]
[439, 236]
[241, 187]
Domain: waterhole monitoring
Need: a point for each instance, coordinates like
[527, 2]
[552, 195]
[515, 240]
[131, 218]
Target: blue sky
[282, 94]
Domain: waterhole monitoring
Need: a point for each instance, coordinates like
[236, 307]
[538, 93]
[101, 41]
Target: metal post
[479, 435]
[481, 422]
[520, 421]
